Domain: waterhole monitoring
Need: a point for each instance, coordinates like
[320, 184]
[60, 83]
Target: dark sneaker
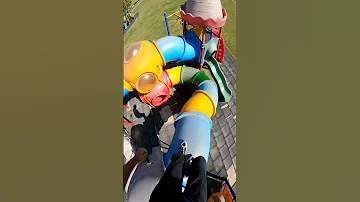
[189, 159]
[183, 147]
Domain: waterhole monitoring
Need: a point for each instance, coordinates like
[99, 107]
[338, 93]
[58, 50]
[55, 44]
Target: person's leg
[169, 187]
[196, 187]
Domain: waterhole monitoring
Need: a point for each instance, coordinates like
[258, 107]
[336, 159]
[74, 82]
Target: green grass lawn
[151, 23]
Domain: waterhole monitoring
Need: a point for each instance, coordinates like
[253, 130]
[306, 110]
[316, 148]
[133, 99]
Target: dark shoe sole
[183, 147]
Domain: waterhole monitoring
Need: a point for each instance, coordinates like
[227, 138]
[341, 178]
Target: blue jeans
[169, 187]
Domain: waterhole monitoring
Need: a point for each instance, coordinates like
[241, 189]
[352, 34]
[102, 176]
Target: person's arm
[140, 155]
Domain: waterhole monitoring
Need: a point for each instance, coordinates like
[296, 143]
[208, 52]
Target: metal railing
[174, 23]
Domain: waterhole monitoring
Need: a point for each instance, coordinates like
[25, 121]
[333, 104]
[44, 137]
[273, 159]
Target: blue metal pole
[231, 190]
[167, 24]
[182, 20]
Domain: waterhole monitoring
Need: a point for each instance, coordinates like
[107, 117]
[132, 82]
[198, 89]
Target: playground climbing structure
[145, 72]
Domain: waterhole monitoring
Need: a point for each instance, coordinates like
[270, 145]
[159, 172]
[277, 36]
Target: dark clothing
[169, 187]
